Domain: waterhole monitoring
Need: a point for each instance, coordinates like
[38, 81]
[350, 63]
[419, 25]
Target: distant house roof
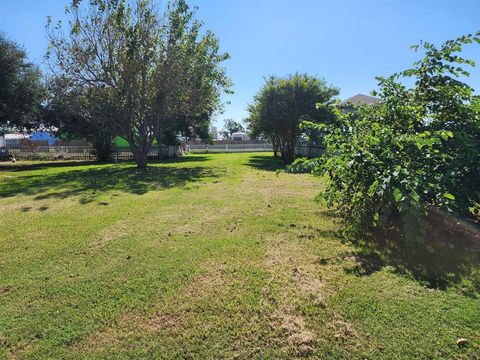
[16, 136]
[359, 99]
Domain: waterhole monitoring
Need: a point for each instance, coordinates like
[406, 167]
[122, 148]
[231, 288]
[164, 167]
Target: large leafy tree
[146, 67]
[283, 104]
[21, 88]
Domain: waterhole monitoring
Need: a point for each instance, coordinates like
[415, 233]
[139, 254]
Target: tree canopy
[282, 104]
[150, 72]
[75, 112]
[21, 88]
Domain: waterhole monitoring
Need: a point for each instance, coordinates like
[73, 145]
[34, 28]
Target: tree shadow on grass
[449, 256]
[95, 180]
[19, 166]
[266, 163]
[182, 159]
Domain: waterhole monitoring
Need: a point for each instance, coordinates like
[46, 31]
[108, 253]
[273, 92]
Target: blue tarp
[44, 135]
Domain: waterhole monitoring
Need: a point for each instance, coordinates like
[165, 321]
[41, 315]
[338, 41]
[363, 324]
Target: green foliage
[21, 88]
[283, 103]
[417, 149]
[191, 79]
[231, 126]
[75, 112]
[152, 72]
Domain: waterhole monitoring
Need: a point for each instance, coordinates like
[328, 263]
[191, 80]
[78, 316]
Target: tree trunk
[159, 151]
[103, 146]
[275, 146]
[140, 158]
[287, 150]
[290, 151]
[288, 155]
[282, 145]
[140, 149]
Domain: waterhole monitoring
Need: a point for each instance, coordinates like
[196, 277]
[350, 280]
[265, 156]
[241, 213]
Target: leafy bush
[282, 104]
[415, 150]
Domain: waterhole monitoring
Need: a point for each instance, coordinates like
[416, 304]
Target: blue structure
[45, 136]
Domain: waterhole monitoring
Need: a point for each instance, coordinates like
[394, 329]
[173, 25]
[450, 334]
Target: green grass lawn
[209, 256]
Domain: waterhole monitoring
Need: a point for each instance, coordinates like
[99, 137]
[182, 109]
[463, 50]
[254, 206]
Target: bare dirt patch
[294, 271]
[160, 322]
[342, 330]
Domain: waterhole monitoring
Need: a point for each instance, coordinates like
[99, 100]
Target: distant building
[214, 133]
[14, 140]
[349, 104]
[240, 136]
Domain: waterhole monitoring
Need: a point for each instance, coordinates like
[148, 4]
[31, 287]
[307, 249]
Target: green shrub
[416, 149]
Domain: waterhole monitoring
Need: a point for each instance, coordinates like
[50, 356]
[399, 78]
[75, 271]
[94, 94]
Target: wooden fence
[86, 153]
[53, 153]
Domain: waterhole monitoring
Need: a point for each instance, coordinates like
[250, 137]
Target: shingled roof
[359, 99]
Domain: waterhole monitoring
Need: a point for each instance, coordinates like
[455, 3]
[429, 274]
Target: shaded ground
[98, 179]
[265, 162]
[449, 255]
[212, 256]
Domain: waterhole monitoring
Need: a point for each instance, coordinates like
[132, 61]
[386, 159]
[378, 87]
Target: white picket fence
[300, 150]
[87, 153]
[228, 148]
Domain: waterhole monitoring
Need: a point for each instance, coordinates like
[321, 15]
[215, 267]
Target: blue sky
[347, 42]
